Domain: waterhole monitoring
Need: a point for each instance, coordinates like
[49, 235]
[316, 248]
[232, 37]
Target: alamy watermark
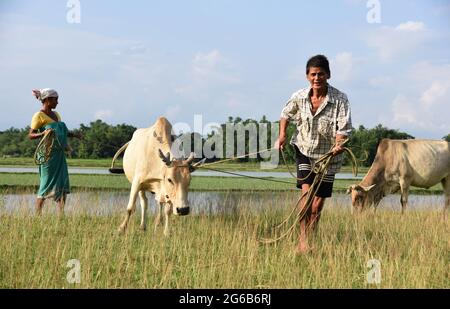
[73, 15]
[373, 276]
[74, 274]
[374, 14]
[230, 140]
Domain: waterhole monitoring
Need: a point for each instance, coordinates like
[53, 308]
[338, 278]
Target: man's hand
[280, 142]
[338, 149]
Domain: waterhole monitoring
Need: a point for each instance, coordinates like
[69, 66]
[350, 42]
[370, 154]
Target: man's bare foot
[303, 248]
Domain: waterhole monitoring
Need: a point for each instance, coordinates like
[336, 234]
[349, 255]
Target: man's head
[318, 61]
[318, 71]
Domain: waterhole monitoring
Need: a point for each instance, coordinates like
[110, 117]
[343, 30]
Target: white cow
[148, 166]
[400, 164]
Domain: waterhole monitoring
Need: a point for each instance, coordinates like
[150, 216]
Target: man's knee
[317, 204]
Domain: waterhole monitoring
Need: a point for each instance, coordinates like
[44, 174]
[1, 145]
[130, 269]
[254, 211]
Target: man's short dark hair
[318, 61]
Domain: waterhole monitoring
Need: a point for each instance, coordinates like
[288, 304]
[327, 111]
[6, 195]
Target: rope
[238, 157]
[320, 169]
[247, 176]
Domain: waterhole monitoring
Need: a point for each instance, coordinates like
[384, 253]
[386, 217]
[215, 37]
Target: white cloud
[206, 63]
[436, 94]
[380, 81]
[103, 114]
[411, 26]
[342, 66]
[423, 105]
[394, 41]
[210, 74]
[173, 111]
[213, 65]
[404, 112]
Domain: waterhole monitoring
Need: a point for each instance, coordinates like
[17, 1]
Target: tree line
[101, 140]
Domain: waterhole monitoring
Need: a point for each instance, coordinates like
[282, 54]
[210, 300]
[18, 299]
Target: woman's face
[52, 102]
[317, 78]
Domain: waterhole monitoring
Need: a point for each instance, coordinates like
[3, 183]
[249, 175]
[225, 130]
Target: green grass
[18, 181]
[223, 251]
[28, 161]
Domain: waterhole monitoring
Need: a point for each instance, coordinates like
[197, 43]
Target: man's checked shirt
[316, 134]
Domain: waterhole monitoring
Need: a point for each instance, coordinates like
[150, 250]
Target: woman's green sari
[54, 176]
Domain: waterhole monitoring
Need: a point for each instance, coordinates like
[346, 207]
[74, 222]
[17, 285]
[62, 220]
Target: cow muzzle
[183, 211]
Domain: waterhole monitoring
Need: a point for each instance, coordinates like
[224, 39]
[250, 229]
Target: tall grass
[222, 250]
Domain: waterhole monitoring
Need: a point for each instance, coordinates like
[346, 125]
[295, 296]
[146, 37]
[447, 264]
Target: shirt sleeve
[344, 119]
[36, 121]
[290, 110]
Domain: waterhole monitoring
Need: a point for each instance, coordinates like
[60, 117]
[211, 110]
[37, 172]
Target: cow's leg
[167, 212]
[144, 206]
[404, 189]
[446, 186]
[131, 204]
[158, 215]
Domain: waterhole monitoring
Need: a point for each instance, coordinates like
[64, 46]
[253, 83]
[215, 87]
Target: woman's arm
[34, 134]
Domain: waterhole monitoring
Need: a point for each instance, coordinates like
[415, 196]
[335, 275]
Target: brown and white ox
[400, 164]
[149, 166]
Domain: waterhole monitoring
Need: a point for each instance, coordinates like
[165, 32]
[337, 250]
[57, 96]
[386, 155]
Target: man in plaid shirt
[322, 115]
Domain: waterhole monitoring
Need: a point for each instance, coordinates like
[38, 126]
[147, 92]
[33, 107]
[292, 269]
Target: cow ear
[350, 189]
[165, 158]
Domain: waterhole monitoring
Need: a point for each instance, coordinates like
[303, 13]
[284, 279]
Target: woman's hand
[47, 131]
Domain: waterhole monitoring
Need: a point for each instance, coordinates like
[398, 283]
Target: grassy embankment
[106, 163]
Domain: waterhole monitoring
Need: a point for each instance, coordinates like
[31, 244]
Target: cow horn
[190, 158]
[367, 189]
[165, 158]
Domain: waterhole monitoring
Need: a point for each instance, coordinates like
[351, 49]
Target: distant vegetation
[101, 140]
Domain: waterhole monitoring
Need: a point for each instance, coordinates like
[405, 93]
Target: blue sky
[130, 62]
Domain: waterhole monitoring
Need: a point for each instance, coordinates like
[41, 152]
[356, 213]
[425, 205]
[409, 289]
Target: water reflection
[106, 203]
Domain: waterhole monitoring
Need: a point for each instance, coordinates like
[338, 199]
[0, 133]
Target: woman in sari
[53, 173]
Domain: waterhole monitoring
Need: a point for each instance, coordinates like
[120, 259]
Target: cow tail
[118, 170]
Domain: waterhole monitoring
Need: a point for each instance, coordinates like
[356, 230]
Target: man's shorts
[304, 168]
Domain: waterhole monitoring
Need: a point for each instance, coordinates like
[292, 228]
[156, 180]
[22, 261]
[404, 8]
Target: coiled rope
[320, 169]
